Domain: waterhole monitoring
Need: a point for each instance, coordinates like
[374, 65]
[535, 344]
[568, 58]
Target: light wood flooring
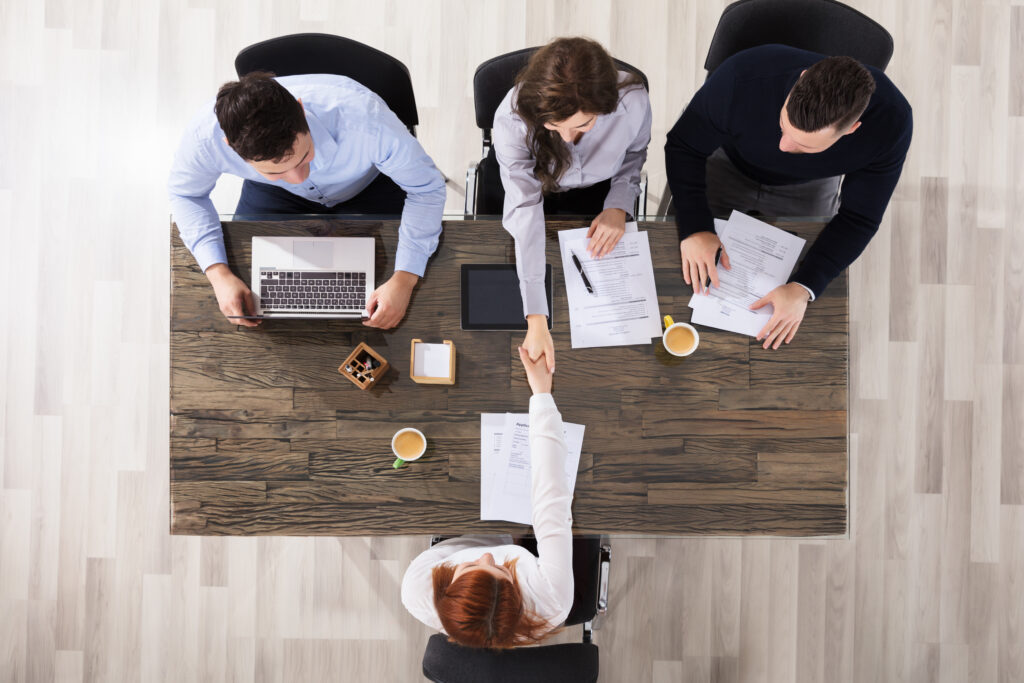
[93, 97]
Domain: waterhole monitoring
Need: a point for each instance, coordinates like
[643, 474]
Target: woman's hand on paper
[537, 373]
[605, 232]
[538, 342]
[697, 253]
[790, 304]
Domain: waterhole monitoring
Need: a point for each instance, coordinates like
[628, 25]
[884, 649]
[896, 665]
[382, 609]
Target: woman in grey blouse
[571, 121]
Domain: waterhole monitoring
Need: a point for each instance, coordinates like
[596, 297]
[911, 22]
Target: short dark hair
[833, 92]
[260, 118]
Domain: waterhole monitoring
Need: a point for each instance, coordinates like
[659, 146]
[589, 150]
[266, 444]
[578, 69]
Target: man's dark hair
[833, 92]
[259, 117]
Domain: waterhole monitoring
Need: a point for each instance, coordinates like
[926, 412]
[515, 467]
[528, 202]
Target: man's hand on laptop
[233, 297]
[388, 302]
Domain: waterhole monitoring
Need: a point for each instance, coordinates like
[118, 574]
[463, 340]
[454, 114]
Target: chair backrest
[321, 53]
[564, 663]
[824, 26]
[495, 77]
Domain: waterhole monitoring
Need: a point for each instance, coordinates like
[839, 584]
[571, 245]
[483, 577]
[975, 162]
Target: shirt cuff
[620, 196]
[535, 299]
[210, 253]
[809, 292]
[541, 402]
[410, 260]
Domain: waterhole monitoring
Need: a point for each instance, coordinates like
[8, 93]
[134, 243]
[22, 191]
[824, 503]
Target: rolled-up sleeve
[551, 501]
[523, 214]
[625, 184]
[401, 157]
[193, 176]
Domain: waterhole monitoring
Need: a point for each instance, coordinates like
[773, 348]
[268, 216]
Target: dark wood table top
[267, 438]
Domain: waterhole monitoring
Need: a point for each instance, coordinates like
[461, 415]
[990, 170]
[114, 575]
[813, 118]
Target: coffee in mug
[408, 444]
[679, 339]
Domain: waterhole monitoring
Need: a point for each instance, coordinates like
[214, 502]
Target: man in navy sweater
[774, 130]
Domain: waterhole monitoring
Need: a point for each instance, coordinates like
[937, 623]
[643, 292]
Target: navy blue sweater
[738, 109]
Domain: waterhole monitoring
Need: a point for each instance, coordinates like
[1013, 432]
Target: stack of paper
[622, 309]
[762, 258]
[505, 482]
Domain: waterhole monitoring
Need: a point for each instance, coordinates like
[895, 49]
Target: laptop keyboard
[292, 290]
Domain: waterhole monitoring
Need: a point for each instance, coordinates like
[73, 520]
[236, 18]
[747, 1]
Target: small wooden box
[356, 367]
[432, 379]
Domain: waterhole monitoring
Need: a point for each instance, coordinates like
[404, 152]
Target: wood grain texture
[640, 405]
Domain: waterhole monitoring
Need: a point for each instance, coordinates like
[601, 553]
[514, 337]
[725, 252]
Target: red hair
[481, 610]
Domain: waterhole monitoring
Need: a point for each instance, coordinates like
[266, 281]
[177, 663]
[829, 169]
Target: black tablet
[491, 298]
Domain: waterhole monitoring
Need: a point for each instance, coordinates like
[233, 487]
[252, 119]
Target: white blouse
[546, 581]
[616, 148]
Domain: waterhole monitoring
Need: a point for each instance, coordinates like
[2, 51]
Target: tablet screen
[491, 298]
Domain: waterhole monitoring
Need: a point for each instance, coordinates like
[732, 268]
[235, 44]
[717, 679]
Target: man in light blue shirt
[305, 144]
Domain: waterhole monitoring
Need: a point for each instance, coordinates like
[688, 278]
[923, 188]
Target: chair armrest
[640, 207]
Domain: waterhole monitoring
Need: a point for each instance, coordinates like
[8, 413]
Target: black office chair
[564, 663]
[484, 192]
[824, 26]
[827, 27]
[321, 53]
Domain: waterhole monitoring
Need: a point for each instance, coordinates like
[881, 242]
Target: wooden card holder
[364, 367]
[425, 379]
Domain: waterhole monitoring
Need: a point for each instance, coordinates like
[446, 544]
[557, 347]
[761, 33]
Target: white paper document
[505, 478]
[622, 308]
[761, 257]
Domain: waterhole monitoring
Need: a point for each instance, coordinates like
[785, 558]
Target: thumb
[762, 302]
[549, 356]
[725, 259]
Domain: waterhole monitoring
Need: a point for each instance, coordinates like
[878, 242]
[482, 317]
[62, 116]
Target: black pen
[579, 267]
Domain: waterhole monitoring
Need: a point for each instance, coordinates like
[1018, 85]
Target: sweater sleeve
[865, 196]
[552, 502]
[625, 184]
[524, 208]
[699, 131]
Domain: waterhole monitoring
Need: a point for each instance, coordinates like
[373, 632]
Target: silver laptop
[312, 277]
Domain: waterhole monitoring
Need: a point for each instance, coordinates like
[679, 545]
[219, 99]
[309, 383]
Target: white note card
[432, 360]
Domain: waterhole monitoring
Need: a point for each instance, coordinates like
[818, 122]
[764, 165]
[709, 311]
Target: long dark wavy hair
[566, 76]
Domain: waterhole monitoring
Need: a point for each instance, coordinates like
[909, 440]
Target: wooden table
[267, 438]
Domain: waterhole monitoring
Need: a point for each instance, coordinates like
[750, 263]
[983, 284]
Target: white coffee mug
[671, 325]
[402, 459]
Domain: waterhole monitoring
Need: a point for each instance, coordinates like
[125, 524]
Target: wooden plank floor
[93, 97]
[732, 440]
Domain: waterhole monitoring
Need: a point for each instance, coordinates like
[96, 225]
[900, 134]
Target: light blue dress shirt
[355, 136]
[615, 148]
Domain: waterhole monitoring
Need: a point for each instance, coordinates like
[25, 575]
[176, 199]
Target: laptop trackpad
[312, 255]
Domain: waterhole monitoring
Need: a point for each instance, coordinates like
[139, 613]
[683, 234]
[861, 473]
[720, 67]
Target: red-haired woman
[483, 591]
[571, 121]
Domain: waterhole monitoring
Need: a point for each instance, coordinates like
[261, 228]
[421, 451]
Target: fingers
[702, 271]
[236, 307]
[725, 260]
[549, 355]
[713, 273]
[761, 303]
[695, 277]
[792, 332]
[613, 239]
[685, 267]
[593, 227]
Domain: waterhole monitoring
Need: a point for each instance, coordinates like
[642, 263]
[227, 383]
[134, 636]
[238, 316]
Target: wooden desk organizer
[355, 366]
[426, 379]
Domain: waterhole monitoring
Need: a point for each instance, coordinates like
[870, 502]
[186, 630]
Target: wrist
[405, 278]
[218, 272]
[537, 321]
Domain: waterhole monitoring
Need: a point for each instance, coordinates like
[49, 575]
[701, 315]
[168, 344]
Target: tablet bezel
[467, 268]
